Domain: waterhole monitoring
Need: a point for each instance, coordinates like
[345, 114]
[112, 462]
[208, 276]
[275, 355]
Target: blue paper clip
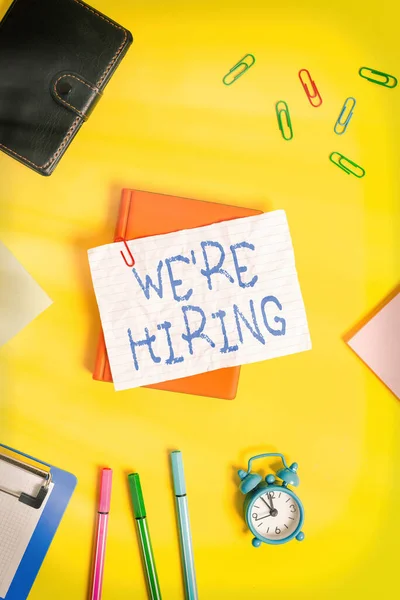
[357, 171]
[247, 61]
[341, 127]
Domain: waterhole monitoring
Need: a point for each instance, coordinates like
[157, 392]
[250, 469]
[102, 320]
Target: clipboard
[54, 490]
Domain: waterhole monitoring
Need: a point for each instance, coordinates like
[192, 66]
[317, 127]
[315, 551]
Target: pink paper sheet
[377, 343]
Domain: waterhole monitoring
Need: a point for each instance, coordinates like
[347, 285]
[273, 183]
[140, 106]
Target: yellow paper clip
[285, 124]
[340, 125]
[246, 62]
[380, 78]
[339, 160]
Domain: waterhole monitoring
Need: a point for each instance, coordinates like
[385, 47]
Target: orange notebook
[143, 214]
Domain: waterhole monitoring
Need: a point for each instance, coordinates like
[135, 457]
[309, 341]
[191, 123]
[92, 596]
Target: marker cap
[139, 508]
[178, 474]
[105, 490]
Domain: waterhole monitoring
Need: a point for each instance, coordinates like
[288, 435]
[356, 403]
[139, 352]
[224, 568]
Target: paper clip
[242, 63]
[341, 127]
[389, 81]
[339, 163]
[120, 239]
[310, 94]
[285, 125]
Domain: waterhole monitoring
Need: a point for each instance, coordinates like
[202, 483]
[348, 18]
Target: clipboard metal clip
[131, 259]
[311, 90]
[32, 501]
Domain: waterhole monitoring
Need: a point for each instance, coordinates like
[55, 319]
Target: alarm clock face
[275, 514]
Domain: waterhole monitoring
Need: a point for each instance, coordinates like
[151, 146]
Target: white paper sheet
[17, 520]
[377, 343]
[222, 295]
[21, 298]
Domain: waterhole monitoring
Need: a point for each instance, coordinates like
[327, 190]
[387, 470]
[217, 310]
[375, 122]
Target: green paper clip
[242, 63]
[389, 81]
[340, 126]
[358, 171]
[285, 125]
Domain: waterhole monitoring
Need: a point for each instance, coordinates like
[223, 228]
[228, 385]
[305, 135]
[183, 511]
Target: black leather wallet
[56, 57]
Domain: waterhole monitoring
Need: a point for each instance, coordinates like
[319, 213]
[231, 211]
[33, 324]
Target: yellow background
[166, 123]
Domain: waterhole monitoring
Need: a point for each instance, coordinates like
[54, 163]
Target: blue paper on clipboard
[33, 498]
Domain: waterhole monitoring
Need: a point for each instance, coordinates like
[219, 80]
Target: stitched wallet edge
[53, 161]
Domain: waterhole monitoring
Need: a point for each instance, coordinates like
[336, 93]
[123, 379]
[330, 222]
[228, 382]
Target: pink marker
[101, 537]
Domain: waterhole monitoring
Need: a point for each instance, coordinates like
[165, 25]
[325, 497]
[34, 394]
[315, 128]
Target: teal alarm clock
[273, 512]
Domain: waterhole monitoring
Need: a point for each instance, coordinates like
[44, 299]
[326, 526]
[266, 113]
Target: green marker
[139, 510]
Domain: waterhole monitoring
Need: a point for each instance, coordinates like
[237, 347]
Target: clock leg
[300, 536]
[256, 542]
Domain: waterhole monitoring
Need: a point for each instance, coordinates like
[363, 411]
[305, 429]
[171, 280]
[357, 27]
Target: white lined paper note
[17, 520]
[222, 295]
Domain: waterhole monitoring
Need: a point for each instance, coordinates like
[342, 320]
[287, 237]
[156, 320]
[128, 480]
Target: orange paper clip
[312, 93]
[128, 264]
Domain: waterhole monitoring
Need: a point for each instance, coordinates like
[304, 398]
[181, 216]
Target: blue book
[33, 498]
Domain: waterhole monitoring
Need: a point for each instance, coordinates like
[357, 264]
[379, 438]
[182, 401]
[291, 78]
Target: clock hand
[264, 517]
[270, 499]
[263, 499]
[273, 511]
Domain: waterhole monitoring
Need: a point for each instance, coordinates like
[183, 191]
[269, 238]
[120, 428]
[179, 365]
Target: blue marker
[185, 536]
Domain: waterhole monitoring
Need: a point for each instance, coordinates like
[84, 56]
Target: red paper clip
[120, 239]
[310, 95]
